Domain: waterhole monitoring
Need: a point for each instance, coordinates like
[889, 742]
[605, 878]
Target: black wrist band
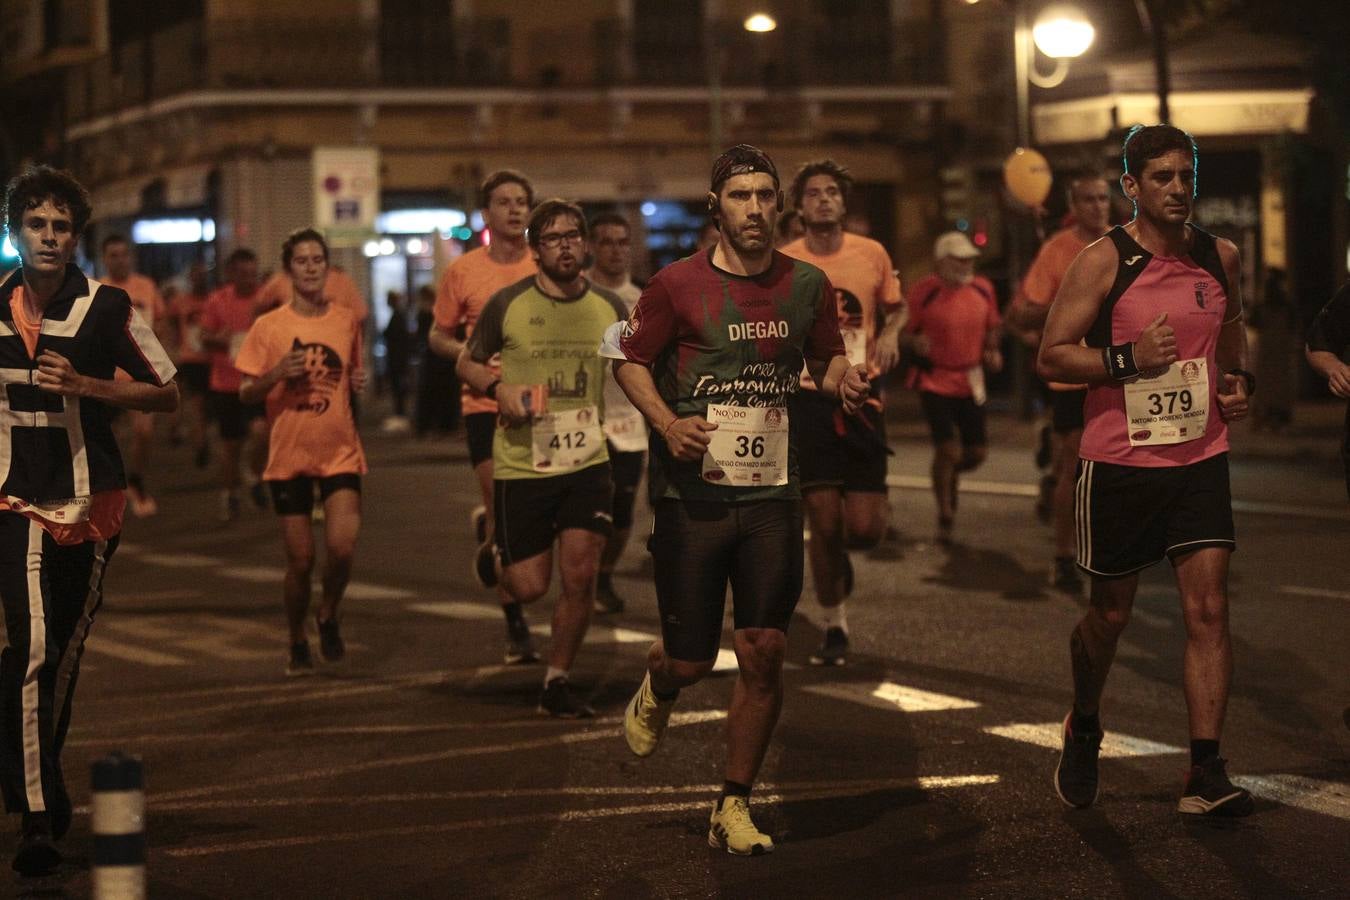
[491, 390]
[1119, 360]
[1251, 379]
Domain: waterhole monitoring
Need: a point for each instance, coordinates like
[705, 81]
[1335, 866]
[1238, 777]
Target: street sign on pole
[346, 193]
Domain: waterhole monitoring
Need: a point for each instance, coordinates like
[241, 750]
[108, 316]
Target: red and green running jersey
[709, 336]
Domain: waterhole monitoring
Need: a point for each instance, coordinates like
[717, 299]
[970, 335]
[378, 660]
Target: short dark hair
[499, 178]
[1145, 142]
[299, 236]
[543, 215]
[38, 184]
[1074, 179]
[241, 254]
[114, 238]
[610, 217]
[826, 166]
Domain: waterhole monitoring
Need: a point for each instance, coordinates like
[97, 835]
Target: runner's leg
[1092, 646]
[1202, 578]
[297, 533]
[342, 524]
[578, 561]
[756, 700]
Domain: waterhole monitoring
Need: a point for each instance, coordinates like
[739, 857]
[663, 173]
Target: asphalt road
[420, 768]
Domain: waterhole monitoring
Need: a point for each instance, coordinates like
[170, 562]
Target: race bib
[855, 345]
[749, 447]
[1170, 408]
[627, 431]
[564, 441]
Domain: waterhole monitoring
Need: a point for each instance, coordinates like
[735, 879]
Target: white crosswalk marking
[891, 696]
[1331, 798]
[1050, 736]
[107, 646]
[457, 609]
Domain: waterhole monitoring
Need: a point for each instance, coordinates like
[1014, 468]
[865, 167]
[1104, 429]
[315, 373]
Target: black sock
[514, 616]
[1081, 723]
[733, 789]
[1203, 750]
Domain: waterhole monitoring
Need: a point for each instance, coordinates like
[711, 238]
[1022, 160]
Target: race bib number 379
[749, 447]
[1170, 408]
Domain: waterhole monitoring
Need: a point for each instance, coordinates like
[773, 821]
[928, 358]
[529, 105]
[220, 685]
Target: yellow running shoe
[731, 828]
[644, 721]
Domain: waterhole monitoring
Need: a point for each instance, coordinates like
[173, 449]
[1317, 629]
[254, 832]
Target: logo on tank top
[1201, 293]
[1133, 259]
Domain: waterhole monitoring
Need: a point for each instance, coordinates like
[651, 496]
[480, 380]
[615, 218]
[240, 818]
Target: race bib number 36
[1170, 408]
[564, 441]
[749, 447]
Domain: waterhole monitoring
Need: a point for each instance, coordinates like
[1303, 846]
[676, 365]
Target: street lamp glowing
[760, 23]
[1063, 32]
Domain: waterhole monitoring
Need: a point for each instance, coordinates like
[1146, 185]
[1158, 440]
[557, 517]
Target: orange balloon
[1026, 173]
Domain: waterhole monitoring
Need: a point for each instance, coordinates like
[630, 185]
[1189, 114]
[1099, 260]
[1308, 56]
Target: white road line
[839, 789]
[726, 661]
[179, 560]
[891, 696]
[924, 782]
[1051, 736]
[362, 590]
[1331, 798]
[132, 653]
[1297, 591]
[458, 609]
[571, 737]
[1018, 489]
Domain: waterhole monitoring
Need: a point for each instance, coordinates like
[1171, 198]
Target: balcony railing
[496, 52]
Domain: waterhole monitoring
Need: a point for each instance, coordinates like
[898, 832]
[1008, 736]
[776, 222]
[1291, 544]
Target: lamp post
[1061, 32]
[758, 23]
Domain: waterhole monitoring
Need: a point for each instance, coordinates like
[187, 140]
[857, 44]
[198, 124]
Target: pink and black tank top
[1193, 291]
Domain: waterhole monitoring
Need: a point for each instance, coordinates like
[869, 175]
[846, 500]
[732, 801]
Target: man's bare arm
[1081, 294]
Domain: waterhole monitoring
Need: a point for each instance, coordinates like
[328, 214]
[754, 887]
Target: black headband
[741, 159]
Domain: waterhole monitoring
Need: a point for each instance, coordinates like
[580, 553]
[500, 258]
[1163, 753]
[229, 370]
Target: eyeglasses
[555, 240]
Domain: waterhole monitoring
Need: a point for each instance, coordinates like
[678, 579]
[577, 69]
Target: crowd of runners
[744, 382]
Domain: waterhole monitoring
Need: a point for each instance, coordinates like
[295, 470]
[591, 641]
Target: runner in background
[146, 299]
[304, 359]
[469, 282]
[194, 360]
[625, 429]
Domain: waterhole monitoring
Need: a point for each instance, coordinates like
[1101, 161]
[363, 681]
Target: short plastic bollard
[119, 828]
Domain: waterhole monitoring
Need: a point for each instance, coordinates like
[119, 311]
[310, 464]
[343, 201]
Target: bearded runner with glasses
[551, 471]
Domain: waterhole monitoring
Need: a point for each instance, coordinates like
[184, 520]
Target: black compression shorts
[699, 546]
[478, 430]
[853, 461]
[232, 415]
[530, 512]
[1130, 517]
[295, 496]
[949, 416]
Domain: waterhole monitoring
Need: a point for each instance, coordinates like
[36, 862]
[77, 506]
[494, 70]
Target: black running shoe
[330, 640]
[1208, 792]
[301, 662]
[1064, 576]
[485, 565]
[519, 645]
[833, 650]
[1076, 774]
[559, 702]
[36, 854]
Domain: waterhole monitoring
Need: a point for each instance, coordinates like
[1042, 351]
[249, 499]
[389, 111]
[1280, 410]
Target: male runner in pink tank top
[1157, 307]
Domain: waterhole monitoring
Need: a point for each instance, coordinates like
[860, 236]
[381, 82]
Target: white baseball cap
[956, 244]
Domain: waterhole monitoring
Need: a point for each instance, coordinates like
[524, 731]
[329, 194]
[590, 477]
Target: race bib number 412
[563, 441]
[749, 447]
[1170, 408]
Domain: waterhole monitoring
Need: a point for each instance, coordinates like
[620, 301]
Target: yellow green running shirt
[553, 342]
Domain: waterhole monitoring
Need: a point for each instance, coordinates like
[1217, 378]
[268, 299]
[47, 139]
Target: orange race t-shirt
[106, 508]
[339, 288]
[956, 319]
[313, 431]
[145, 296]
[226, 311]
[1042, 280]
[186, 310]
[863, 277]
[465, 288]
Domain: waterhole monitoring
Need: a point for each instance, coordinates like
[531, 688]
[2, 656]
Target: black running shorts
[1066, 410]
[232, 414]
[531, 512]
[295, 496]
[627, 468]
[1130, 517]
[834, 450]
[949, 416]
[478, 430]
[699, 546]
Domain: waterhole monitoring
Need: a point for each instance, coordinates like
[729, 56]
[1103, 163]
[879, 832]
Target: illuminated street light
[760, 23]
[1063, 32]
